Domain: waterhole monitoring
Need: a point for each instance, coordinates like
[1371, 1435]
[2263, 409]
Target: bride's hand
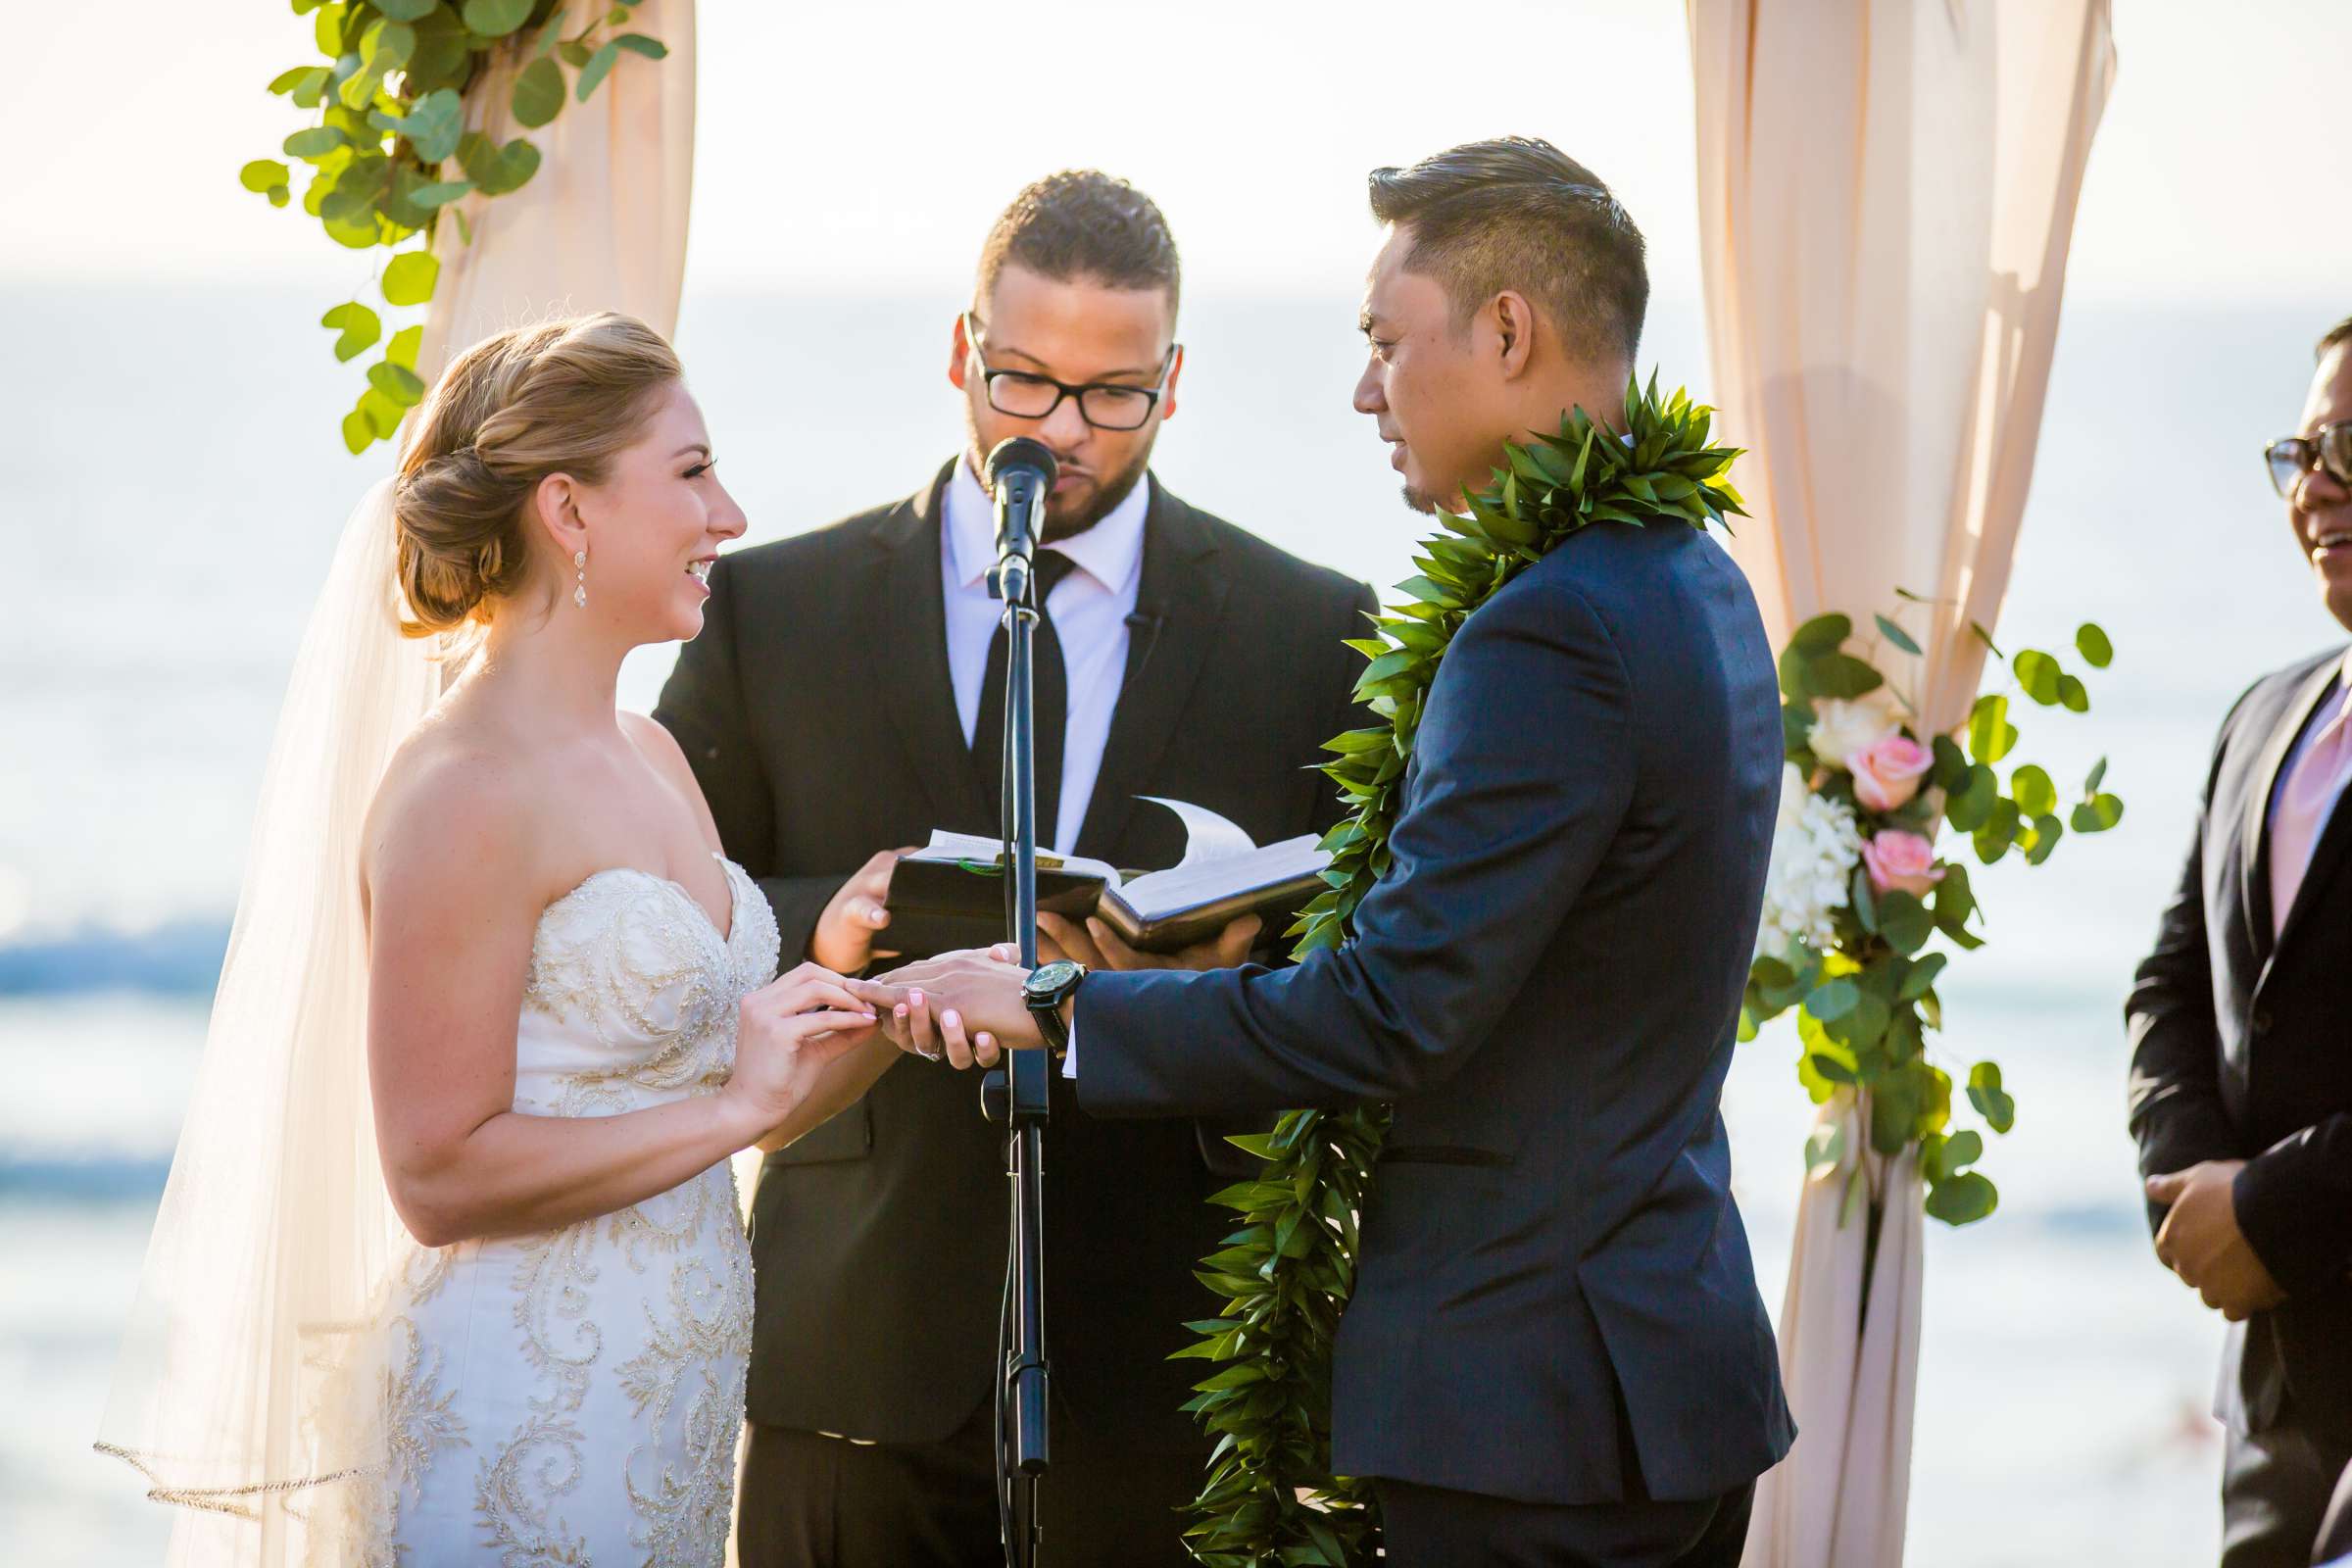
[790, 1031]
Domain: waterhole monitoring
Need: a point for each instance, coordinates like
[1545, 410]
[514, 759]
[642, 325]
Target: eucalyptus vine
[392, 149]
[1286, 1274]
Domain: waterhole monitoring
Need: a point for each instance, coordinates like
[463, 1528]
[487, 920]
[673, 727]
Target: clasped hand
[2200, 1241]
[966, 1008]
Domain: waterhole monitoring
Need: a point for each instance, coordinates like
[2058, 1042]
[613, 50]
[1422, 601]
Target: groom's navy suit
[1556, 1303]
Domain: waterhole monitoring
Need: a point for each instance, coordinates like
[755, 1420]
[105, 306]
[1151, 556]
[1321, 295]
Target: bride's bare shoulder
[453, 803]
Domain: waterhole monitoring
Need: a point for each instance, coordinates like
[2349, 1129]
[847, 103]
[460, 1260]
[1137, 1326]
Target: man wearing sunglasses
[846, 697]
[2241, 1033]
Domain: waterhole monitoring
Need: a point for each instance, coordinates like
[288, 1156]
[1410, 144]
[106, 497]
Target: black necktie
[1051, 705]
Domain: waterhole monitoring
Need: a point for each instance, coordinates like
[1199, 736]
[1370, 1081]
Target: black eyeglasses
[1104, 405]
[2292, 457]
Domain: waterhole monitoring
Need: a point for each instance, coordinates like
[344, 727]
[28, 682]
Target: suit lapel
[2255, 871]
[915, 688]
[1177, 606]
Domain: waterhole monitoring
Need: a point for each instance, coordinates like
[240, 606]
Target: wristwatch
[1044, 991]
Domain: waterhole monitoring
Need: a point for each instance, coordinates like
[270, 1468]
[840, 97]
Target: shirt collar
[1112, 552]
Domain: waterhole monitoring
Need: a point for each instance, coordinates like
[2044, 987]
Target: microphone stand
[1017, 1095]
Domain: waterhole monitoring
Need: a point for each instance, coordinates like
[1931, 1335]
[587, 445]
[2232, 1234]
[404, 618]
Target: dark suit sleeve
[2174, 1095]
[1525, 771]
[702, 706]
[2294, 1204]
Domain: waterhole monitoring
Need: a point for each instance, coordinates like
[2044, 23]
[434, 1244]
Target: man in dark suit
[2241, 1041]
[1555, 1352]
[846, 698]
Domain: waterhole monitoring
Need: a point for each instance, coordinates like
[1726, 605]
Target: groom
[1556, 1351]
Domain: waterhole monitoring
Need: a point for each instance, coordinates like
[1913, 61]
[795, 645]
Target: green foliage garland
[391, 100]
[1285, 1275]
[1861, 984]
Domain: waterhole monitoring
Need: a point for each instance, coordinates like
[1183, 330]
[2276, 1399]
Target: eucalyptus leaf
[495, 18]
[1897, 636]
[410, 276]
[538, 93]
[2092, 644]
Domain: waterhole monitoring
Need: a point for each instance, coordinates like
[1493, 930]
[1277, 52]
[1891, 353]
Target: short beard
[1107, 496]
[1419, 502]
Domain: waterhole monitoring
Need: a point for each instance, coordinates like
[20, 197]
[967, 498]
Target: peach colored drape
[1886, 194]
[602, 225]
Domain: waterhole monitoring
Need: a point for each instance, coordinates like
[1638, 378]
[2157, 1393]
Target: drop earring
[579, 593]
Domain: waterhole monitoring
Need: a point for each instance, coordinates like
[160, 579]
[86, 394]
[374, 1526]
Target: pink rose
[1901, 863]
[1886, 775]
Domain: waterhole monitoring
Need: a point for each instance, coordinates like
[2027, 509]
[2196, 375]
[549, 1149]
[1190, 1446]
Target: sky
[857, 148]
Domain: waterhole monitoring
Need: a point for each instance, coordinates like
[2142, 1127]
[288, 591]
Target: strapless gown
[573, 1398]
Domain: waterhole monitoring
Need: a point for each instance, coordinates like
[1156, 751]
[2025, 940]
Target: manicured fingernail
[900, 1010]
[951, 1020]
[915, 998]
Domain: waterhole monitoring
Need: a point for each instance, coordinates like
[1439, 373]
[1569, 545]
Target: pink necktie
[2302, 810]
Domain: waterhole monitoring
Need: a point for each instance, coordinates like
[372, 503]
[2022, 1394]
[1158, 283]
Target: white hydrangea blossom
[1815, 846]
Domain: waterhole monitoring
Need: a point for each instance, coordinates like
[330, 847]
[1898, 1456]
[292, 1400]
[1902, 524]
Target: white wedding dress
[573, 1398]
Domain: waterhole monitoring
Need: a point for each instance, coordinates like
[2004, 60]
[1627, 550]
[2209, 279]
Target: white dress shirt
[2330, 706]
[1089, 607]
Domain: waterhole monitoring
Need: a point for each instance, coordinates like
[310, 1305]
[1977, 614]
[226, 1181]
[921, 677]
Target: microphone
[1020, 475]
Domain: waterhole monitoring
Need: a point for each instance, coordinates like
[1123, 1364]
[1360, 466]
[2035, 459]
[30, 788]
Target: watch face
[1051, 977]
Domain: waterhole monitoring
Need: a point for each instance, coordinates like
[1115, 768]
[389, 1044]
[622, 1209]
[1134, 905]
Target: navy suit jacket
[1554, 1300]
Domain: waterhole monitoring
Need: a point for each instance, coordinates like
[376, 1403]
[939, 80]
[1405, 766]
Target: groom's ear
[960, 354]
[1508, 322]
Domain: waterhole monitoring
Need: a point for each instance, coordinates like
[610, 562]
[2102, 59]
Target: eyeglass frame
[1063, 391]
[2312, 457]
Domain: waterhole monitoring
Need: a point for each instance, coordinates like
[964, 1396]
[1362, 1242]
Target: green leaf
[382, 411]
[1962, 1201]
[286, 81]
[397, 382]
[1904, 922]
[2040, 674]
[263, 175]
[410, 276]
[2092, 644]
[359, 326]
[407, 10]
[593, 73]
[1969, 808]
[2031, 789]
[2073, 695]
[2048, 831]
[575, 55]
[439, 194]
[1831, 1068]
[1896, 635]
[387, 45]
[1841, 675]
[538, 93]
[1824, 1148]
[315, 143]
[403, 349]
[434, 126]
[1920, 978]
[1985, 1092]
[2098, 775]
[637, 43]
[1991, 735]
[2098, 814]
[358, 434]
[495, 18]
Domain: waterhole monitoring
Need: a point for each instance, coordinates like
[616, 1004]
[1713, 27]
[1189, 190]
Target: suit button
[2262, 1020]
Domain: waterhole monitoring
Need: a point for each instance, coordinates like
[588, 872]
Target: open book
[951, 893]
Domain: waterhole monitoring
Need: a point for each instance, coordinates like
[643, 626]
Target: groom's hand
[2200, 1241]
[1096, 946]
[983, 990]
[844, 939]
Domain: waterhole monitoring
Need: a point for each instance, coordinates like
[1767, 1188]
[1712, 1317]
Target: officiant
[1179, 656]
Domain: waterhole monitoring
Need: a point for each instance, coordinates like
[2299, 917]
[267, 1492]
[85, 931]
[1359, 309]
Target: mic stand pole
[1017, 1095]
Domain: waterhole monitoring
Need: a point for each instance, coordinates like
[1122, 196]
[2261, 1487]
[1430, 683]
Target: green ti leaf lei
[1285, 1275]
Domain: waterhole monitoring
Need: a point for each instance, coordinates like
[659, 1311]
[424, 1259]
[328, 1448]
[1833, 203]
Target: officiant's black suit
[817, 712]
[1555, 1347]
[2241, 1049]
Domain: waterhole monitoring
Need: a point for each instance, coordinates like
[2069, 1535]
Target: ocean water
[169, 489]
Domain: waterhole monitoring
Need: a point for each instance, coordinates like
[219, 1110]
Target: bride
[450, 1265]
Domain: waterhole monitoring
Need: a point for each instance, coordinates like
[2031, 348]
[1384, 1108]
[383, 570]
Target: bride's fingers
[985, 1050]
[807, 1026]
